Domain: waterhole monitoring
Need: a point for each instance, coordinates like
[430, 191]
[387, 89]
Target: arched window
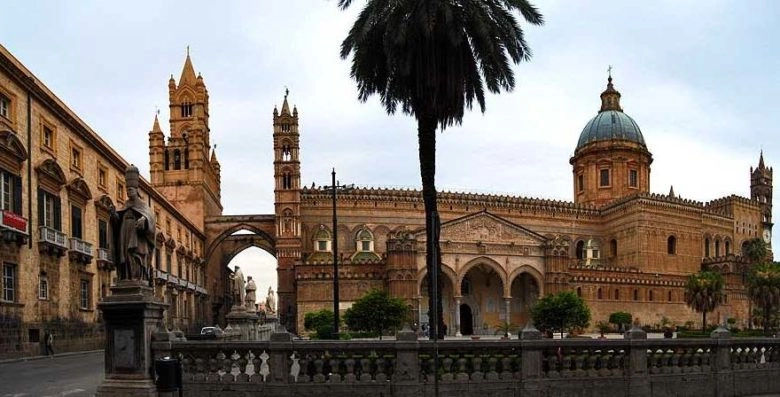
[167, 160]
[717, 248]
[176, 159]
[186, 109]
[598, 293]
[286, 181]
[728, 246]
[669, 296]
[706, 247]
[617, 294]
[186, 158]
[671, 245]
[287, 221]
[322, 239]
[364, 241]
[579, 292]
[613, 248]
[650, 295]
[636, 294]
[580, 250]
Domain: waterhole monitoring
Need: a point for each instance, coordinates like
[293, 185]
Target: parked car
[216, 331]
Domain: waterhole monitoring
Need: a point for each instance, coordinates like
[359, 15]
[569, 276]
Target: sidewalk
[41, 357]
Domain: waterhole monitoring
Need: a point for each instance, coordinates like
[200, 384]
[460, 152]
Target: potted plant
[505, 328]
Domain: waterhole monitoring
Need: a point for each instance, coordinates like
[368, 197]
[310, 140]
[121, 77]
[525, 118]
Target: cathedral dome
[611, 123]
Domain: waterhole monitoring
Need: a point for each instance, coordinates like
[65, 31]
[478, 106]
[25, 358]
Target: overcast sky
[701, 79]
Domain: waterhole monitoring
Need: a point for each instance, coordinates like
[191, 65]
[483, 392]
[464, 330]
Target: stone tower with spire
[287, 198]
[185, 168]
[761, 191]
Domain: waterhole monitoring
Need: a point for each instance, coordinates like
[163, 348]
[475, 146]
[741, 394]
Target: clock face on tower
[767, 236]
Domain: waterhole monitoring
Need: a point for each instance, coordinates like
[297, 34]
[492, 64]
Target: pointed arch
[532, 271]
[238, 227]
[483, 260]
[446, 272]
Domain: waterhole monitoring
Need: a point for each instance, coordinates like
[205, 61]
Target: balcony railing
[80, 246]
[53, 237]
[104, 255]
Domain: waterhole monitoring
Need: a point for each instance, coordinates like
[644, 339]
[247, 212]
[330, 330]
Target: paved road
[73, 376]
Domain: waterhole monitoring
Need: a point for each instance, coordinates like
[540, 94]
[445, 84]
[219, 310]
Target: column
[508, 309]
[457, 316]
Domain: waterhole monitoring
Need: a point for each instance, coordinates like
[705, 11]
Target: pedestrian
[49, 344]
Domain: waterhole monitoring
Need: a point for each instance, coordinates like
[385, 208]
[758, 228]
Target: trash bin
[168, 373]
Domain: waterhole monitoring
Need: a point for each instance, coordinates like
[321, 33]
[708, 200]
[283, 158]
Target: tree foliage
[433, 59]
[764, 290]
[704, 293]
[375, 313]
[755, 250]
[620, 318]
[320, 322]
[564, 310]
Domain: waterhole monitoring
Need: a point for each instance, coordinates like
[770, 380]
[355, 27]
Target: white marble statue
[270, 301]
[239, 292]
[250, 294]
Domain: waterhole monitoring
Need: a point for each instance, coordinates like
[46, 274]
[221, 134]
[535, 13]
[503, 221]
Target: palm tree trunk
[426, 137]
[704, 322]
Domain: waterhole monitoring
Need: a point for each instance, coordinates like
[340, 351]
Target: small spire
[610, 98]
[761, 160]
[156, 127]
[187, 72]
[671, 192]
[214, 155]
[285, 106]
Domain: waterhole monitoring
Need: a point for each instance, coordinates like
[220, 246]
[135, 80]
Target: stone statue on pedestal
[250, 294]
[239, 291]
[133, 230]
[270, 302]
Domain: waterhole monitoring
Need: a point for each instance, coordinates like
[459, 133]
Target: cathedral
[615, 244]
[620, 247]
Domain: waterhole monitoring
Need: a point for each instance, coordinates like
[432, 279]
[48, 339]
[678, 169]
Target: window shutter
[40, 208]
[57, 214]
[17, 204]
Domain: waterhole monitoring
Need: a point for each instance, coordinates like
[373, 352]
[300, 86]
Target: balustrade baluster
[365, 369]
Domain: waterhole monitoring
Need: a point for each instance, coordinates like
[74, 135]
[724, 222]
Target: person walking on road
[49, 344]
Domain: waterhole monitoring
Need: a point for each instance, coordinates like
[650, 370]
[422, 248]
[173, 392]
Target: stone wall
[718, 366]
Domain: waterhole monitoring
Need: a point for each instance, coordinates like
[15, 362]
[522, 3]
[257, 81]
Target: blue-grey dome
[611, 125]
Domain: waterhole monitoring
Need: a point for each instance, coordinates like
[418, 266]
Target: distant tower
[184, 169]
[287, 198]
[611, 159]
[761, 191]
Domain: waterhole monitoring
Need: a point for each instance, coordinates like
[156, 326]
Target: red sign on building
[13, 221]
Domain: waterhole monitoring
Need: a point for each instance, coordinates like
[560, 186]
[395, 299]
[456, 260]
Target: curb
[41, 357]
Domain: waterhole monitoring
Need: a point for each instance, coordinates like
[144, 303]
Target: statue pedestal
[131, 315]
[243, 321]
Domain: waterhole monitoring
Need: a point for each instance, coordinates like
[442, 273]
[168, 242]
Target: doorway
[466, 320]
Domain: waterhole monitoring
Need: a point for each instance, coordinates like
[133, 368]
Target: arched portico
[479, 295]
[226, 237]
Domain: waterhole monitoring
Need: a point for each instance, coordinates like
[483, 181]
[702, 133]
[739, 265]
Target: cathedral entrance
[466, 320]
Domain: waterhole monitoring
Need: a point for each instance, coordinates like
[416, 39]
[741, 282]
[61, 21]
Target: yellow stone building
[59, 179]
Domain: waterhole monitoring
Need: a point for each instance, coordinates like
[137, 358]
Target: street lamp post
[334, 187]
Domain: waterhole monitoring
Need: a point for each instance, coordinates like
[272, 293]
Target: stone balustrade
[718, 366]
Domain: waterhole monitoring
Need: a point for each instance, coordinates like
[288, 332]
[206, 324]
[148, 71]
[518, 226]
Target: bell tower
[185, 168]
[287, 203]
[761, 191]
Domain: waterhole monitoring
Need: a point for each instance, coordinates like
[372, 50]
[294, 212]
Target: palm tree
[433, 59]
[703, 293]
[764, 290]
[755, 251]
